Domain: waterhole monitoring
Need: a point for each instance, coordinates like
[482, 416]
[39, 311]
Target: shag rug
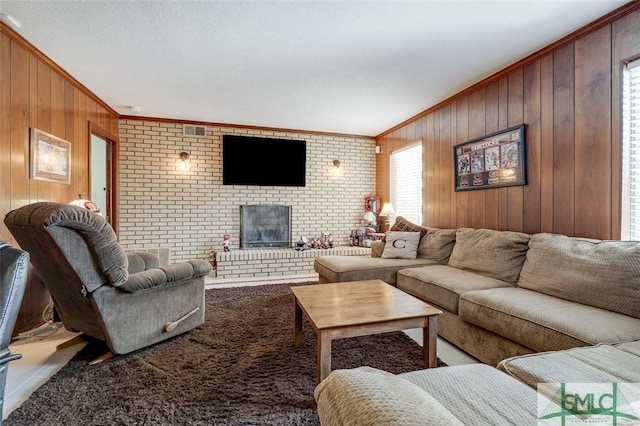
[239, 368]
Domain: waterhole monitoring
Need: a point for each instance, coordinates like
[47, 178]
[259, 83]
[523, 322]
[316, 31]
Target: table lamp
[386, 212]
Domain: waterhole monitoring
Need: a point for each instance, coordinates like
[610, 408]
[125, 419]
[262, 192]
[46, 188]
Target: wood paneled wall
[34, 92]
[569, 99]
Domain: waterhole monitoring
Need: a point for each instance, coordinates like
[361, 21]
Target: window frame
[630, 217]
[398, 206]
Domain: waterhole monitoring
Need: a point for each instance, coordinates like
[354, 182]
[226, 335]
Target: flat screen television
[248, 160]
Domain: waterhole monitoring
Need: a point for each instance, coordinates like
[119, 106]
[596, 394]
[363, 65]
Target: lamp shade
[387, 210]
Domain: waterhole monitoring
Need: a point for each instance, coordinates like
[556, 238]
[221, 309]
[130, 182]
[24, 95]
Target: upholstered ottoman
[592, 364]
[466, 394]
[337, 269]
[434, 248]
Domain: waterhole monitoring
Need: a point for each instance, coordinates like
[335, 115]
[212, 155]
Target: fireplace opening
[265, 225]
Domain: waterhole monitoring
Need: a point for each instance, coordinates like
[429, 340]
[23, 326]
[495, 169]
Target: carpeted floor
[239, 368]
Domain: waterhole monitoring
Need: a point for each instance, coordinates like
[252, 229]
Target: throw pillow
[404, 225]
[401, 245]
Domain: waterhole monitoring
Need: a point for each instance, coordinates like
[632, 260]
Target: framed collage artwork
[491, 161]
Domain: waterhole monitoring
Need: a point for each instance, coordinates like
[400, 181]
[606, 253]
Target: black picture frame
[492, 161]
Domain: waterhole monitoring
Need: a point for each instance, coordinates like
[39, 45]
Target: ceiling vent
[193, 130]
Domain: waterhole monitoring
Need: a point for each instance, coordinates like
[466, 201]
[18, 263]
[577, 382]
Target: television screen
[263, 161]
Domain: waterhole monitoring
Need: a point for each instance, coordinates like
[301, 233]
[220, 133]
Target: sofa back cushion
[437, 245]
[495, 254]
[603, 274]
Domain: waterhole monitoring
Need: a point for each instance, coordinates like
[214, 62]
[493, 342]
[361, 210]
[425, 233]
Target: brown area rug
[239, 368]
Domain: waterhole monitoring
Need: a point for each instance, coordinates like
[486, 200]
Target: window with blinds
[406, 182]
[631, 152]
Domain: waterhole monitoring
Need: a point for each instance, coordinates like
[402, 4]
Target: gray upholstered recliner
[14, 270]
[123, 299]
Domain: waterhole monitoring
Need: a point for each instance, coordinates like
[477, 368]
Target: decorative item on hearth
[327, 239]
[371, 203]
[369, 218]
[324, 242]
[301, 244]
[226, 241]
[355, 238]
[213, 259]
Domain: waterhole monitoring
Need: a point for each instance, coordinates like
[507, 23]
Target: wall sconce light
[335, 170]
[386, 212]
[184, 163]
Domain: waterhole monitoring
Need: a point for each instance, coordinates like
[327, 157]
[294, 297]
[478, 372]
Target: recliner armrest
[141, 261]
[165, 275]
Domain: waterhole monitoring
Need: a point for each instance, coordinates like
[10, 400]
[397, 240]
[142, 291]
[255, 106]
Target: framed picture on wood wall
[491, 161]
[50, 157]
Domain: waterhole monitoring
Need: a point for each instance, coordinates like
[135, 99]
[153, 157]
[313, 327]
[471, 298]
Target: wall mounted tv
[263, 161]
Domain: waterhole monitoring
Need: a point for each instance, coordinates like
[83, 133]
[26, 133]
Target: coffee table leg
[324, 355]
[297, 333]
[430, 342]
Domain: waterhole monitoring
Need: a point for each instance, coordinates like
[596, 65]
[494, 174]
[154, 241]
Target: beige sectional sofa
[434, 249]
[478, 394]
[505, 294]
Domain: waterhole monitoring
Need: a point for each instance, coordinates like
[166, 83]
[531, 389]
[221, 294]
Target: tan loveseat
[505, 294]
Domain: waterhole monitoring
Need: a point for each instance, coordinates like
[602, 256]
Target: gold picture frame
[50, 157]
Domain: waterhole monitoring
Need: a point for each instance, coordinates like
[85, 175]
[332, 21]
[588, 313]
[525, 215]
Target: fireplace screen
[264, 225]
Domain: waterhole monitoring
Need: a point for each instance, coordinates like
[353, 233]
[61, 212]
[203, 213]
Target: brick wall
[188, 212]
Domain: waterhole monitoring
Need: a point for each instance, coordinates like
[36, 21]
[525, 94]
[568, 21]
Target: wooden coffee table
[360, 308]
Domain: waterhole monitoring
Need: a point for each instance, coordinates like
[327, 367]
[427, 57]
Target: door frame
[113, 171]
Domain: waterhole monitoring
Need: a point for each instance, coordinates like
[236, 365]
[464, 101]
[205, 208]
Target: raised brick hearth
[277, 262]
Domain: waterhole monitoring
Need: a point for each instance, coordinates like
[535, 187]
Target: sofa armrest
[367, 396]
[176, 272]
[377, 247]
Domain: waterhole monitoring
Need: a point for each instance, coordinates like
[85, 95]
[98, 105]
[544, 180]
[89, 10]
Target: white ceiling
[356, 67]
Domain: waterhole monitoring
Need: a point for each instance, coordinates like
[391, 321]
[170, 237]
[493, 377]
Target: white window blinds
[406, 182]
[631, 152]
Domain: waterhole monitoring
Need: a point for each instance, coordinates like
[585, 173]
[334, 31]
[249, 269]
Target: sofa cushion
[593, 364]
[404, 225]
[604, 274]
[367, 396]
[443, 285]
[401, 245]
[437, 244]
[358, 268]
[631, 347]
[496, 254]
[542, 322]
[478, 394]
